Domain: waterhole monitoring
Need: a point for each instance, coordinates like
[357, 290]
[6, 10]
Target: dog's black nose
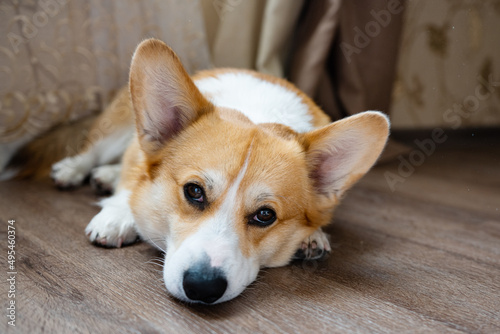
[204, 283]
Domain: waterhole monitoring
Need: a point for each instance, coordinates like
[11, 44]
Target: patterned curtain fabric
[449, 70]
[428, 64]
[63, 59]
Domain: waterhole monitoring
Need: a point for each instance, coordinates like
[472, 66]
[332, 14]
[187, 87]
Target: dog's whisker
[153, 261]
[158, 270]
[154, 243]
[159, 259]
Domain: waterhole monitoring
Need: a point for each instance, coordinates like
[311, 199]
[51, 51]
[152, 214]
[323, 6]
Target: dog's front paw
[314, 247]
[112, 227]
[104, 179]
[68, 173]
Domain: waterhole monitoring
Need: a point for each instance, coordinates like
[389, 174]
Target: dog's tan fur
[283, 162]
[183, 138]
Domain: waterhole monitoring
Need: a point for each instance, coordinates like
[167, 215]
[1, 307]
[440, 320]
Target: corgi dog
[227, 171]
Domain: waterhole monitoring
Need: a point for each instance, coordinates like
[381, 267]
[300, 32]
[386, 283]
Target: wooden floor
[422, 258]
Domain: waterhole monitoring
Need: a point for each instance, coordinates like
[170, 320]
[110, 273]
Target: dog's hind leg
[107, 140]
[104, 179]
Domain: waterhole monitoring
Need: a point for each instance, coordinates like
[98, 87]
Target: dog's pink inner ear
[341, 153]
[329, 168]
[164, 98]
[162, 118]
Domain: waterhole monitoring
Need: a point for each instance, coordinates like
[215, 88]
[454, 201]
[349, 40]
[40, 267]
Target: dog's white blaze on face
[216, 238]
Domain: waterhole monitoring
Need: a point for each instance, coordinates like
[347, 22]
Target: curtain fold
[345, 57]
[346, 54]
[61, 60]
[278, 24]
[314, 40]
[251, 34]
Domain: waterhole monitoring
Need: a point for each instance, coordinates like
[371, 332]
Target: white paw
[104, 179]
[114, 226]
[69, 172]
[314, 247]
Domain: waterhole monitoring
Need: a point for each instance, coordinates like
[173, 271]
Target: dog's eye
[195, 194]
[263, 217]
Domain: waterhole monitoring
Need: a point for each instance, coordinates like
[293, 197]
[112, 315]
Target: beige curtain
[251, 34]
[63, 59]
[449, 70]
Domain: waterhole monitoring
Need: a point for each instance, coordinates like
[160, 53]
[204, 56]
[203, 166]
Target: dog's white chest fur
[261, 101]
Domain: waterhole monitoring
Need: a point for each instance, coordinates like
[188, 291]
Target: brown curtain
[345, 55]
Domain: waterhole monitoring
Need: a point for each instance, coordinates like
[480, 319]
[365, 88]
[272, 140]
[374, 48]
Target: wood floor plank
[469, 180]
[458, 231]
[424, 258]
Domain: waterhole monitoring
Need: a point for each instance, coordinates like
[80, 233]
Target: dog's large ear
[164, 98]
[342, 152]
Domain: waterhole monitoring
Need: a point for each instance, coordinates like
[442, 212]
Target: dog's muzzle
[204, 283]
